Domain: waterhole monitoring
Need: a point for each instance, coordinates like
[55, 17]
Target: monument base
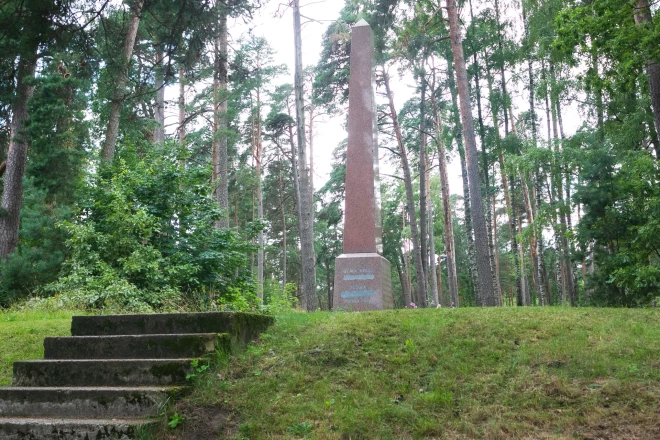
[362, 282]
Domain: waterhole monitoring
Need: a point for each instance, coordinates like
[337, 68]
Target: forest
[550, 107]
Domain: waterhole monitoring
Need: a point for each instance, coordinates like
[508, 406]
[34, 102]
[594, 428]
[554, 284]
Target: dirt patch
[202, 423]
[647, 428]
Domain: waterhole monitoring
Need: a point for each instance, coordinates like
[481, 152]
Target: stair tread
[59, 361]
[64, 420]
[95, 388]
[157, 335]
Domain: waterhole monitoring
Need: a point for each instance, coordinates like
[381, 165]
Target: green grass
[466, 373]
[22, 336]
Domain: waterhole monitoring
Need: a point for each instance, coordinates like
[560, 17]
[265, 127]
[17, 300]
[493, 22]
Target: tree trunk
[450, 249]
[310, 300]
[431, 221]
[110, 144]
[643, 17]
[408, 295]
[567, 269]
[181, 131]
[12, 191]
[159, 104]
[486, 166]
[472, 265]
[257, 154]
[220, 138]
[484, 271]
[423, 210]
[410, 199]
[402, 279]
[284, 240]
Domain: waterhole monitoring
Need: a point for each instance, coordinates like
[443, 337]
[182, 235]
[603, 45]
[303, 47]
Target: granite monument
[362, 276]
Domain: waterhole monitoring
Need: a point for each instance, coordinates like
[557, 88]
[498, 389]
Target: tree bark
[485, 166]
[220, 139]
[410, 199]
[12, 191]
[432, 273]
[258, 156]
[110, 144]
[484, 271]
[284, 238]
[310, 300]
[181, 130]
[472, 265]
[423, 209]
[159, 104]
[450, 248]
[643, 17]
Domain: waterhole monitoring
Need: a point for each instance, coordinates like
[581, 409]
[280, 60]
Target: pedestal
[362, 282]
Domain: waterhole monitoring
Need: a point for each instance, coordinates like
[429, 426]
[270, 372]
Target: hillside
[465, 373]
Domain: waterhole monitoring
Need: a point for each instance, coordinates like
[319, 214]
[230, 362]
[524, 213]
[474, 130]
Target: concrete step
[135, 346]
[242, 327]
[69, 429]
[100, 403]
[101, 373]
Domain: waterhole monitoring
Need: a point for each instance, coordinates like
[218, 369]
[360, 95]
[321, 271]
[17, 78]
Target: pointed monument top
[362, 22]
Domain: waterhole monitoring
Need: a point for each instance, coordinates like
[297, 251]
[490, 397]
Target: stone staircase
[115, 373]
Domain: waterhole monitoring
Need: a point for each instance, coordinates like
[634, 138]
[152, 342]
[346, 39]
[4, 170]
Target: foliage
[621, 220]
[39, 256]
[144, 239]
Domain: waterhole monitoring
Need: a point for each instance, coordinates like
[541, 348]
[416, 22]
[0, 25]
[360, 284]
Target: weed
[174, 420]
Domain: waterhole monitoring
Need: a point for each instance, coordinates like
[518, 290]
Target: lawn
[22, 336]
[500, 373]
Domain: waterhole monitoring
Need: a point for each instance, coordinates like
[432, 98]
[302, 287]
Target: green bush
[144, 239]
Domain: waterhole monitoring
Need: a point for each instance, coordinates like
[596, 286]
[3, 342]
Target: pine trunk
[306, 227]
[12, 191]
[181, 131]
[484, 270]
[423, 210]
[110, 144]
[159, 104]
[220, 140]
[472, 265]
[432, 261]
[643, 17]
[284, 238]
[450, 252]
[422, 295]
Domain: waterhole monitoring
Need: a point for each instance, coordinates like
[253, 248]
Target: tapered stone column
[362, 275]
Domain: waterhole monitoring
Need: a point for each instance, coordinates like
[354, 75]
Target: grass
[22, 336]
[535, 373]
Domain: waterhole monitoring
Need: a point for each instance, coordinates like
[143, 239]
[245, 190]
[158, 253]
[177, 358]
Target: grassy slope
[467, 373]
[22, 336]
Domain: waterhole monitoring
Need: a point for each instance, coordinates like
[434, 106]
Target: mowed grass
[501, 373]
[22, 336]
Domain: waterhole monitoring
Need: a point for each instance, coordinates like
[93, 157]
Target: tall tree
[118, 95]
[306, 202]
[484, 270]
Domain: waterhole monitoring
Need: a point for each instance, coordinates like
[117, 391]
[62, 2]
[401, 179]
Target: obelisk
[362, 276]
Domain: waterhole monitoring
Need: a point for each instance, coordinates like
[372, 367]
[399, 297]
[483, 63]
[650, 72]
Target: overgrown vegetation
[460, 373]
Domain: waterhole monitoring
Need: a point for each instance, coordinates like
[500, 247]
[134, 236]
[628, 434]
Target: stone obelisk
[362, 276]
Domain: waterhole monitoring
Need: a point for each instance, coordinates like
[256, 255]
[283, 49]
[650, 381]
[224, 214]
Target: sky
[274, 22]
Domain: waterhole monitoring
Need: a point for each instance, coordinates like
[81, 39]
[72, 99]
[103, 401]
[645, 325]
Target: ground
[533, 373]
